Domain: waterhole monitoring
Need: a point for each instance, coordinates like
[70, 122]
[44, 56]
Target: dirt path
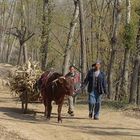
[16, 126]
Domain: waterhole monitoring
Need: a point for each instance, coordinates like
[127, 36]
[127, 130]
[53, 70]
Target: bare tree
[134, 83]
[125, 73]
[70, 37]
[46, 22]
[135, 89]
[11, 45]
[138, 89]
[22, 35]
[7, 20]
[92, 34]
[116, 23]
[83, 44]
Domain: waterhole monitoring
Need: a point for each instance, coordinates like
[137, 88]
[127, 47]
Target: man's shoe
[95, 118]
[90, 115]
[71, 113]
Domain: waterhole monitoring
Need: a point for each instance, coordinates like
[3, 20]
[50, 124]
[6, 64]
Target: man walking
[96, 82]
[75, 76]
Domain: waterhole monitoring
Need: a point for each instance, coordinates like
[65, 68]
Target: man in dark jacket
[96, 82]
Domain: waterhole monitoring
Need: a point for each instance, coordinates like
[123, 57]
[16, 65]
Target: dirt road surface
[113, 125]
[17, 126]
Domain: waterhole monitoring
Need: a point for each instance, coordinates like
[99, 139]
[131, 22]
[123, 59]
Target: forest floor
[113, 124]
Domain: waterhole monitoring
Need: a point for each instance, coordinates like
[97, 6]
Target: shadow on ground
[32, 116]
[16, 114]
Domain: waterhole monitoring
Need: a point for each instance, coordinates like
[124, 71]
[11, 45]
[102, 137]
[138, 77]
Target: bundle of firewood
[24, 81]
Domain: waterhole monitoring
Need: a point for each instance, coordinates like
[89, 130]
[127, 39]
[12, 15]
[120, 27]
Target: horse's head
[65, 83]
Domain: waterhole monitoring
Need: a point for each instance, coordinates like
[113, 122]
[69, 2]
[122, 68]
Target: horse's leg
[44, 101]
[45, 105]
[59, 112]
[49, 107]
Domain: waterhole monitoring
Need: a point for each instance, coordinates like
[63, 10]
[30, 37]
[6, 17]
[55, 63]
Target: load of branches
[24, 81]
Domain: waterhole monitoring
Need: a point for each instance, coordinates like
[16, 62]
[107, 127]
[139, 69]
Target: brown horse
[54, 87]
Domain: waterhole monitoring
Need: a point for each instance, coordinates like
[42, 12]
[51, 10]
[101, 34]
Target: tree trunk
[82, 35]
[92, 32]
[134, 82]
[134, 90]
[117, 17]
[125, 74]
[25, 54]
[88, 52]
[8, 53]
[10, 49]
[118, 84]
[110, 75]
[4, 53]
[2, 43]
[98, 38]
[125, 80]
[138, 90]
[21, 42]
[19, 62]
[46, 21]
[70, 38]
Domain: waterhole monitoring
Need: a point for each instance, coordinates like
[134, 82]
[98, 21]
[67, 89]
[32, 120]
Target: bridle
[63, 77]
[54, 82]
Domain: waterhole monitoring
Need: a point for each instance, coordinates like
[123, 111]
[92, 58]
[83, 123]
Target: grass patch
[115, 104]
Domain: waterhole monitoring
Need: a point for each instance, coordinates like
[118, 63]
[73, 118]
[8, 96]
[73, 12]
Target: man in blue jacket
[96, 82]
